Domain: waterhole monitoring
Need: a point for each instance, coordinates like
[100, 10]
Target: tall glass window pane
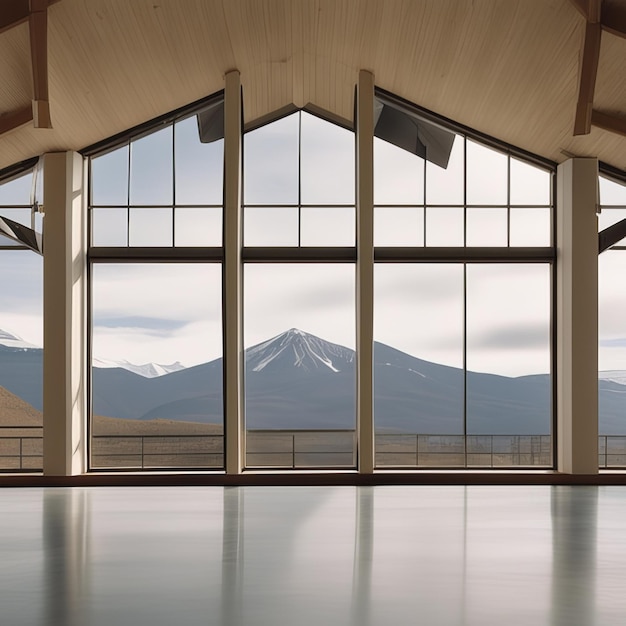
[398, 175]
[199, 166]
[300, 365]
[487, 178]
[530, 185]
[21, 360]
[16, 192]
[612, 332]
[418, 364]
[508, 362]
[109, 178]
[327, 166]
[271, 163]
[446, 186]
[611, 192]
[151, 169]
[612, 354]
[157, 366]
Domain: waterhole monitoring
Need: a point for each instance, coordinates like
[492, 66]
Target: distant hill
[298, 380]
[16, 412]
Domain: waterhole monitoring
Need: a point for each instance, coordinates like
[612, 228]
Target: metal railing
[154, 451]
[21, 450]
[464, 451]
[301, 449]
[612, 451]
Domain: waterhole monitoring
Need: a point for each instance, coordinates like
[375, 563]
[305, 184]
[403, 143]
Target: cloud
[618, 342]
[520, 336]
[145, 323]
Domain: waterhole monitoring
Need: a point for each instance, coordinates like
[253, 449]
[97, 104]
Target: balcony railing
[21, 450]
[471, 451]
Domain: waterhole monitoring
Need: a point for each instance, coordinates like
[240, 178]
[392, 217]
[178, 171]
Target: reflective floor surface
[259, 556]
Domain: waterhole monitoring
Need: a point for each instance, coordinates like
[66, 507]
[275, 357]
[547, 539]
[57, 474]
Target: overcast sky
[161, 313]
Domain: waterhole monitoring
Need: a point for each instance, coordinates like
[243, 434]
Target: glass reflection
[453, 555]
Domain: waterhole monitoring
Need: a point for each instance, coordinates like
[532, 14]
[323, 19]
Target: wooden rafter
[614, 17]
[587, 83]
[14, 12]
[609, 122]
[591, 10]
[35, 12]
[16, 119]
[38, 27]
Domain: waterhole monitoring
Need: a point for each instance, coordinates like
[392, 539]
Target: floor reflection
[317, 555]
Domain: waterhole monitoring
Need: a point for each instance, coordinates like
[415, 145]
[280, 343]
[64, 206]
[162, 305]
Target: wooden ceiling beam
[16, 119]
[614, 17]
[588, 74]
[38, 26]
[591, 10]
[15, 12]
[609, 122]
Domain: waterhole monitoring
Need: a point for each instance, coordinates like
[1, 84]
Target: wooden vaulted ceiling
[513, 69]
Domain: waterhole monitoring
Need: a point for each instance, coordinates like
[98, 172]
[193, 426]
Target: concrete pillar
[233, 340]
[64, 278]
[365, 270]
[577, 316]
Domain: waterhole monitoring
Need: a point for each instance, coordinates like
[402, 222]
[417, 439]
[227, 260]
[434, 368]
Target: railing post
[142, 461]
[21, 454]
[293, 451]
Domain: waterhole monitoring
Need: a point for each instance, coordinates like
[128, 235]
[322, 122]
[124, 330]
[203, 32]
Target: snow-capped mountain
[11, 340]
[295, 348]
[614, 376]
[147, 370]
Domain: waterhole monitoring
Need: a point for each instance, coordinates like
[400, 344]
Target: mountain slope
[16, 412]
[295, 349]
[297, 380]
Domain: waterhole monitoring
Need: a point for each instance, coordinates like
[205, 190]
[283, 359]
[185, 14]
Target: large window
[462, 300]
[612, 331]
[156, 297]
[299, 318]
[21, 335]
[462, 303]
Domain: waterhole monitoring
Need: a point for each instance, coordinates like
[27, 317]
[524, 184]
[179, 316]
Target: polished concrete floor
[258, 556]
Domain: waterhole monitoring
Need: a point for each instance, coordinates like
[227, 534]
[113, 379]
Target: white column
[64, 363]
[233, 342]
[365, 270]
[577, 316]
